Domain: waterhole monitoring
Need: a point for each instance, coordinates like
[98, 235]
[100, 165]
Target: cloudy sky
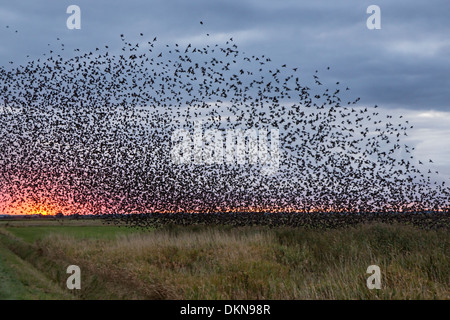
[404, 67]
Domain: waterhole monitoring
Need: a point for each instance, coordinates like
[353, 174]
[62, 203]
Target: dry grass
[258, 263]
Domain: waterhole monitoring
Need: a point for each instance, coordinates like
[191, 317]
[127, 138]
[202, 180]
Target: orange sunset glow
[29, 208]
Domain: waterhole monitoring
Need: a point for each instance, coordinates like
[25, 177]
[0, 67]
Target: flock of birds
[91, 134]
[424, 220]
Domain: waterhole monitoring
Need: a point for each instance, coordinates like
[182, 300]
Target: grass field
[220, 262]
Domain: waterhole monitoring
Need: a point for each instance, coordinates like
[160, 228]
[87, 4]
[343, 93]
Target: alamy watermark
[231, 146]
[74, 20]
[374, 281]
[74, 280]
[374, 21]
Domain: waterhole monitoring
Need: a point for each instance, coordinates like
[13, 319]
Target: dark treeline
[425, 220]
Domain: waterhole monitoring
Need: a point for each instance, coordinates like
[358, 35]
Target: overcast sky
[404, 67]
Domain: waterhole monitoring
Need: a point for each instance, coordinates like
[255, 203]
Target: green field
[200, 262]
